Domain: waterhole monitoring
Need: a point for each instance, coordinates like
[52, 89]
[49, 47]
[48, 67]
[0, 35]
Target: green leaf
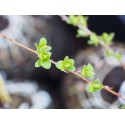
[90, 88]
[37, 63]
[43, 41]
[89, 74]
[72, 61]
[59, 65]
[118, 56]
[83, 20]
[73, 20]
[87, 71]
[94, 39]
[45, 55]
[90, 67]
[44, 48]
[66, 64]
[107, 38]
[66, 58]
[71, 68]
[46, 64]
[95, 86]
[81, 33]
[77, 20]
[48, 48]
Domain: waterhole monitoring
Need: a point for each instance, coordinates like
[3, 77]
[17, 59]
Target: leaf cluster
[95, 86]
[77, 20]
[44, 54]
[66, 64]
[87, 71]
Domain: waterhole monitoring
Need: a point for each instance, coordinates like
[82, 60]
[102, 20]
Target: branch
[107, 88]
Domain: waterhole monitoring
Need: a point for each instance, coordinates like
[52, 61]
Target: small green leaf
[66, 64]
[83, 20]
[95, 86]
[90, 67]
[59, 65]
[46, 64]
[43, 41]
[37, 63]
[42, 46]
[48, 48]
[77, 20]
[107, 38]
[90, 88]
[45, 55]
[73, 20]
[87, 71]
[81, 33]
[71, 68]
[94, 39]
[66, 58]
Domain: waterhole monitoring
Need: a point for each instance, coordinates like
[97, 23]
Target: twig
[107, 88]
[17, 43]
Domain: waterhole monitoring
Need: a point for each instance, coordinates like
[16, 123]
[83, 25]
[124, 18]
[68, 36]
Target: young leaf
[59, 65]
[95, 86]
[94, 39]
[66, 58]
[83, 20]
[43, 54]
[81, 33]
[37, 63]
[66, 64]
[77, 20]
[46, 64]
[90, 88]
[42, 46]
[73, 20]
[107, 38]
[42, 41]
[87, 71]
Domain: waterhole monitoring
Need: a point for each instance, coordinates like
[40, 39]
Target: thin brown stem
[17, 43]
[107, 88]
[53, 62]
